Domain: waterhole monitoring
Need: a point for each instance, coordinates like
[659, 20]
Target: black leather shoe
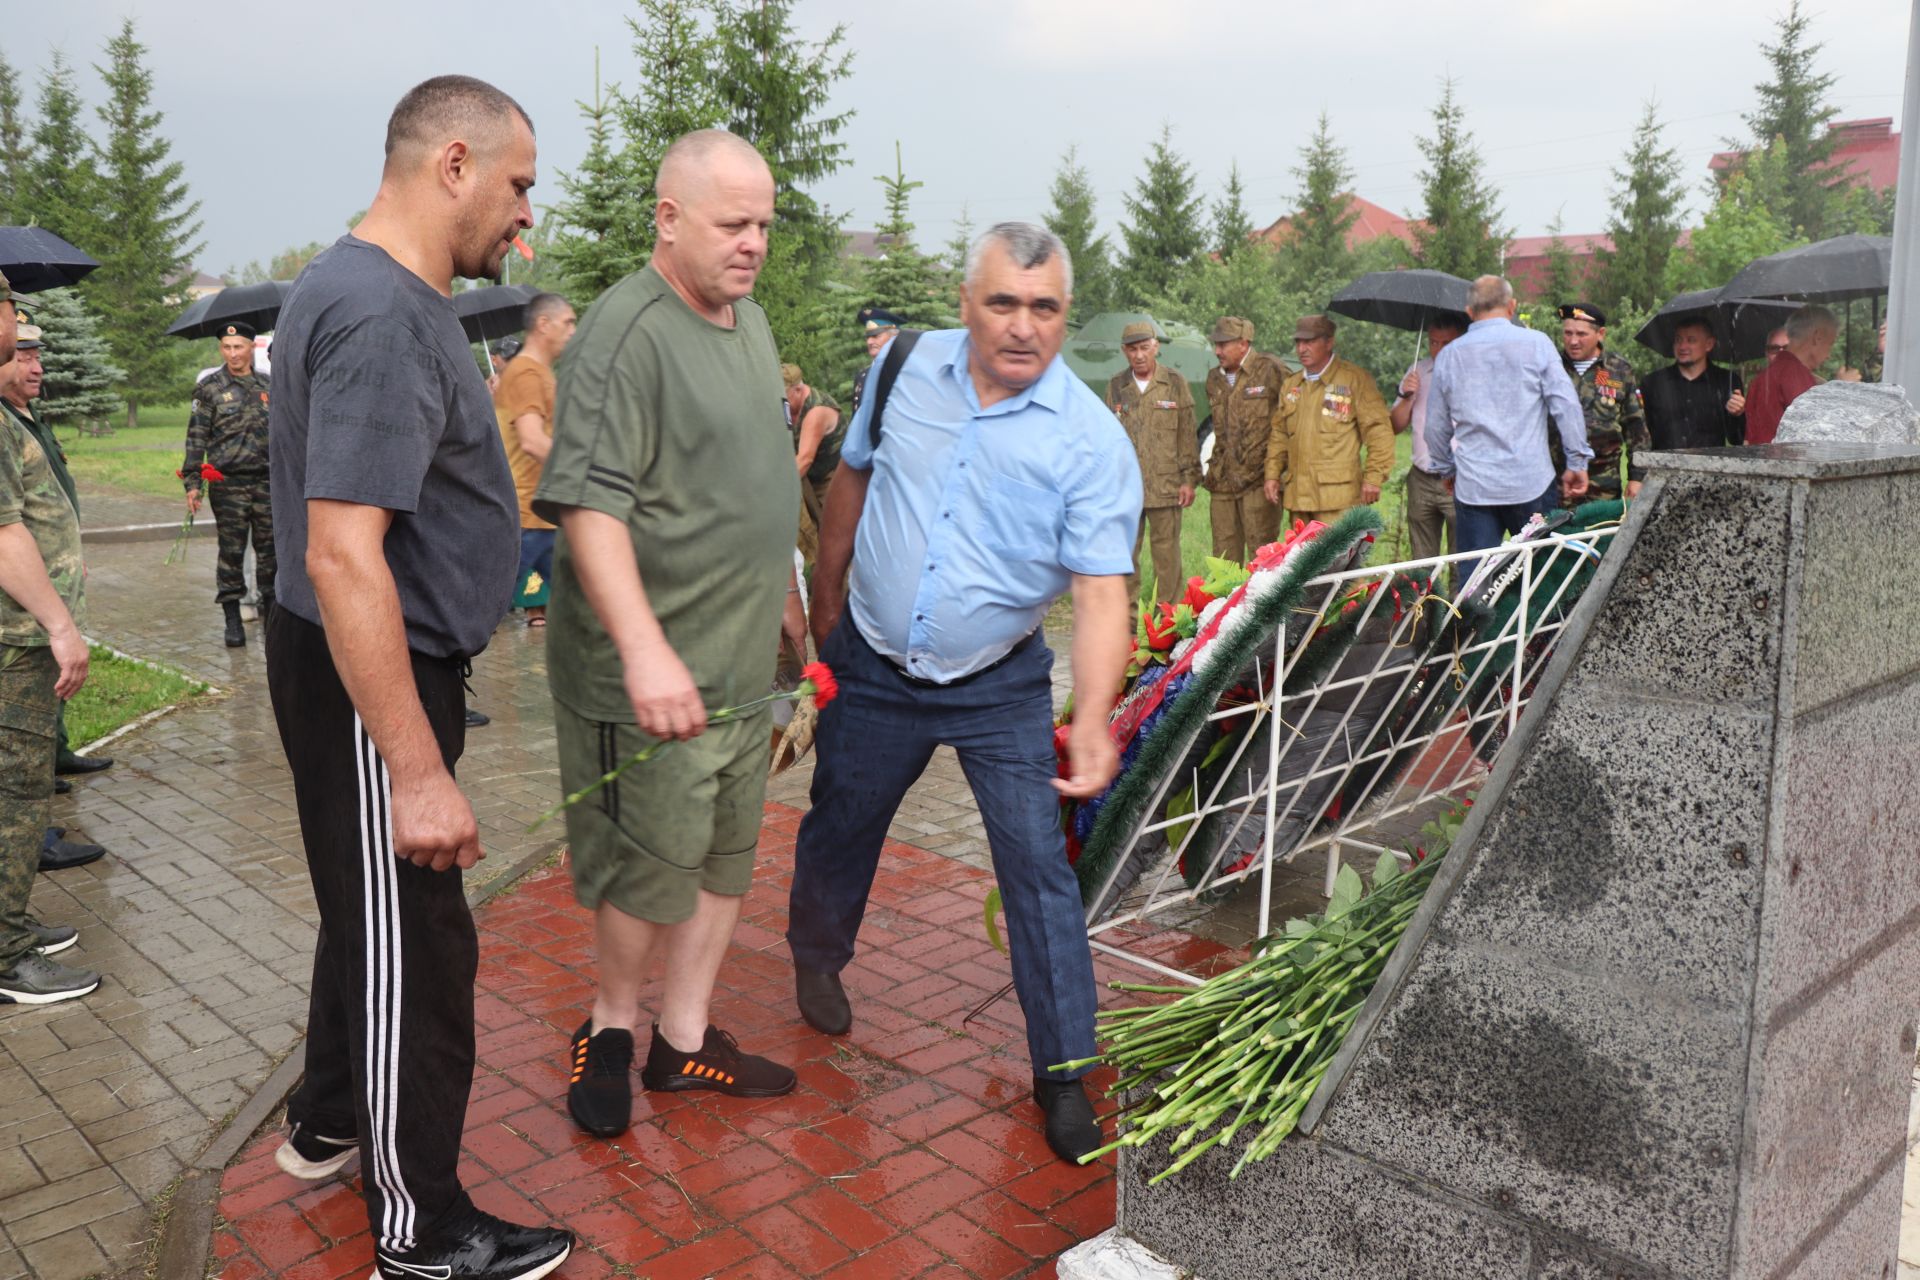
[1072, 1131]
[479, 1246]
[71, 763]
[477, 718]
[57, 853]
[61, 786]
[823, 1001]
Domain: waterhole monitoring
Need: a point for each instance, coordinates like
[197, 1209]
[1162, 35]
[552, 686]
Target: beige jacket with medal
[1319, 431]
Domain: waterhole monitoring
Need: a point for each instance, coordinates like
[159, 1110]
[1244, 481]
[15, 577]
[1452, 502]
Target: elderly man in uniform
[989, 483]
[43, 659]
[20, 383]
[227, 431]
[877, 329]
[1243, 392]
[1155, 405]
[1609, 397]
[1329, 412]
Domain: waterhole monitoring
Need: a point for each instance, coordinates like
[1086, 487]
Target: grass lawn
[119, 690]
[140, 461]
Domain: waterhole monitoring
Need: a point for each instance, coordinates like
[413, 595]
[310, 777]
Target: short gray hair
[1027, 243]
[1811, 322]
[1488, 293]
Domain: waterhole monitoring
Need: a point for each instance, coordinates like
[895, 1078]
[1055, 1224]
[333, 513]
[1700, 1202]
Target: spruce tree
[1744, 223]
[1324, 213]
[146, 241]
[1460, 229]
[61, 188]
[606, 230]
[1794, 109]
[1232, 228]
[1646, 217]
[1074, 219]
[904, 280]
[959, 244]
[80, 372]
[1164, 233]
[16, 149]
[1565, 281]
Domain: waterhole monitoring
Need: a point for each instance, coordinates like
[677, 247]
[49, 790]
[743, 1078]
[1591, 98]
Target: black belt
[1020, 646]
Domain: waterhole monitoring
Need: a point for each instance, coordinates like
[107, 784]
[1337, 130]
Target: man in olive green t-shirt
[672, 583]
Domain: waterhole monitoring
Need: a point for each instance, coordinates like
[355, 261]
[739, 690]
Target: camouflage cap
[27, 338]
[1231, 329]
[790, 375]
[1138, 331]
[1311, 327]
[1584, 311]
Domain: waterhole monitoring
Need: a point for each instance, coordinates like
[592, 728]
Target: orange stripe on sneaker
[689, 1069]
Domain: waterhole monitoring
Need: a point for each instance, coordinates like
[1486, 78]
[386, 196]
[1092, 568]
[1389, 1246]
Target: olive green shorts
[684, 820]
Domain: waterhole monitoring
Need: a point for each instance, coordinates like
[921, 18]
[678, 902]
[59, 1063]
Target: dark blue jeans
[1479, 528]
[874, 742]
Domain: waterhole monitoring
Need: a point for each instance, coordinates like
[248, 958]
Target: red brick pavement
[911, 1147]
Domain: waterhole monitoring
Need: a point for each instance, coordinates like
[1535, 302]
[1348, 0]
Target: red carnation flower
[1160, 629]
[818, 677]
[210, 473]
[1197, 597]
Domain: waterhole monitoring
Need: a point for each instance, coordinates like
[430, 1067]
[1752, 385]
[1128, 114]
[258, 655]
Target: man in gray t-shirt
[397, 531]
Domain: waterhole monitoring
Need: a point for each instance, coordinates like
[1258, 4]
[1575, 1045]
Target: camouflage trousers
[28, 709]
[242, 507]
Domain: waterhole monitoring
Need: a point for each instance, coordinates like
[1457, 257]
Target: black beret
[237, 329]
[1583, 311]
[873, 319]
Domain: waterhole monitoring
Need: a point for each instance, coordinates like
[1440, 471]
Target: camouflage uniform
[57, 459]
[228, 431]
[1616, 423]
[1242, 518]
[1160, 423]
[30, 494]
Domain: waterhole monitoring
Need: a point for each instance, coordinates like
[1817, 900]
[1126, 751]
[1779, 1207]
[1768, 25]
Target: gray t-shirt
[377, 401]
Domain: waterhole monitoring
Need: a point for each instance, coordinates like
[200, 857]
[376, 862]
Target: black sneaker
[477, 719]
[718, 1065]
[478, 1247]
[57, 853]
[312, 1156]
[34, 979]
[52, 938]
[599, 1092]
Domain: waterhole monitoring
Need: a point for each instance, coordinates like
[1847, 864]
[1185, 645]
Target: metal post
[1903, 302]
[1278, 724]
[1520, 637]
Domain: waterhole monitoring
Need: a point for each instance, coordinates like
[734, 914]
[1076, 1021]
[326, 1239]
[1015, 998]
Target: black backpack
[897, 352]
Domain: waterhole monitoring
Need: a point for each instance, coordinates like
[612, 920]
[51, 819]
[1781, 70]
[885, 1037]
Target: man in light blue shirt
[993, 482]
[1494, 389]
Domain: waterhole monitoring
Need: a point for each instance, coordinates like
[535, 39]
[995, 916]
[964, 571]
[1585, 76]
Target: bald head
[696, 160]
[1488, 296]
[711, 223]
[449, 109]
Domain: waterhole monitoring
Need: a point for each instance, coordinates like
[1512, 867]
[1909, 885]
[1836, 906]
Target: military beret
[1138, 331]
[1584, 311]
[1231, 329]
[874, 319]
[1311, 327]
[237, 329]
[28, 338]
[6, 290]
[790, 375]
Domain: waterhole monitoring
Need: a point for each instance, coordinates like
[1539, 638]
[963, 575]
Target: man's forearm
[846, 499]
[23, 575]
[531, 430]
[602, 557]
[1102, 644]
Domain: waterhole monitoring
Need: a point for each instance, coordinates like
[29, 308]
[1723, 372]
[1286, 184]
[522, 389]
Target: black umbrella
[1403, 299]
[494, 311]
[255, 305]
[33, 258]
[1836, 270]
[1740, 325]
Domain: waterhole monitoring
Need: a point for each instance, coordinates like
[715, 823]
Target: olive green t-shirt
[826, 458]
[673, 425]
[30, 494]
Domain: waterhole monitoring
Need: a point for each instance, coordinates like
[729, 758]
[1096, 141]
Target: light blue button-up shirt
[976, 518]
[1493, 389]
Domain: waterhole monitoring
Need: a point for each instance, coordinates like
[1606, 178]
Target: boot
[236, 634]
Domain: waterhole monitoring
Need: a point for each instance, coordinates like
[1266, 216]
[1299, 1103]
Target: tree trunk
[133, 414]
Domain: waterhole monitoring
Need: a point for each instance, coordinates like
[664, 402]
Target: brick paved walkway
[911, 1147]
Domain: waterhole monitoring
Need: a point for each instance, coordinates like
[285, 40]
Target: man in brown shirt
[523, 405]
[1155, 405]
[1243, 391]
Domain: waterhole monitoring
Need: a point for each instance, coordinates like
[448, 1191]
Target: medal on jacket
[1165, 404]
[1253, 392]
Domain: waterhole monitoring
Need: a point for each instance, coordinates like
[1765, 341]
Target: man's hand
[1411, 383]
[70, 651]
[433, 825]
[1369, 492]
[1736, 403]
[1573, 484]
[193, 502]
[1448, 481]
[1186, 495]
[1847, 374]
[1633, 489]
[1273, 492]
[1093, 758]
[665, 700]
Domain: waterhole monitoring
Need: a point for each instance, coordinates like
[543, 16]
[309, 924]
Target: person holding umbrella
[1429, 499]
[1693, 404]
[1811, 333]
[227, 432]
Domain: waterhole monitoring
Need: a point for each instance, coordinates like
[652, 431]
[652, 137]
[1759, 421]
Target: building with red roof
[1868, 150]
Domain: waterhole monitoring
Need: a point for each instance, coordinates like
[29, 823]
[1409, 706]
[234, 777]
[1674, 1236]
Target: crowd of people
[640, 499]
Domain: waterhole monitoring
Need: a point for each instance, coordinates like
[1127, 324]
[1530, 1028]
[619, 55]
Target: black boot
[236, 634]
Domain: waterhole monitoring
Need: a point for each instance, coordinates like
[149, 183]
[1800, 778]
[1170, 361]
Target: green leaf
[991, 913]
[1179, 805]
[1386, 870]
[1347, 891]
[1299, 927]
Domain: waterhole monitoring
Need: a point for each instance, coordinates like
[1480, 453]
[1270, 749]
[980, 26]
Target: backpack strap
[897, 352]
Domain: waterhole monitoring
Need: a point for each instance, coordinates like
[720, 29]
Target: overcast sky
[278, 110]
